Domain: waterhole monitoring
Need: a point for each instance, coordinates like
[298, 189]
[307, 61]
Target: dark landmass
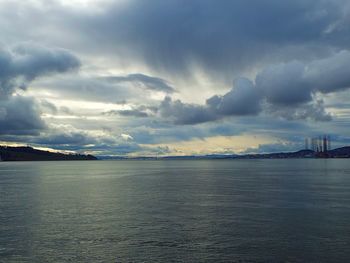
[30, 154]
[343, 152]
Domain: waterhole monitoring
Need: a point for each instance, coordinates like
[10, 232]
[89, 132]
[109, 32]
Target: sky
[175, 77]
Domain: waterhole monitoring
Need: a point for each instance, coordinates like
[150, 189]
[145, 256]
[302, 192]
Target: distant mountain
[343, 152]
[280, 155]
[30, 154]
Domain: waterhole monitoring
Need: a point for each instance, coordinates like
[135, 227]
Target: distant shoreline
[8, 154]
[343, 152]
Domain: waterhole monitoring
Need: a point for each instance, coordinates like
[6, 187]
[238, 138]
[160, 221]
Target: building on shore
[320, 144]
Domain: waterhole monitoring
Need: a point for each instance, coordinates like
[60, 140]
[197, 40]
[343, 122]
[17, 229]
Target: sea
[292, 210]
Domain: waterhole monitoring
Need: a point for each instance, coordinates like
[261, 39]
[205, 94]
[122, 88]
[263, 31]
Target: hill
[343, 152]
[8, 153]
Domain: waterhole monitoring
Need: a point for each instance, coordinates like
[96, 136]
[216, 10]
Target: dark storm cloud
[184, 113]
[244, 99]
[294, 83]
[287, 90]
[313, 110]
[330, 74]
[19, 65]
[218, 35]
[22, 63]
[283, 84]
[20, 115]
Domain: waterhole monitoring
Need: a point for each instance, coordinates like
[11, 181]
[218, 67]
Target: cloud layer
[154, 72]
[20, 65]
[24, 62]
[288, 90]
[225, 35]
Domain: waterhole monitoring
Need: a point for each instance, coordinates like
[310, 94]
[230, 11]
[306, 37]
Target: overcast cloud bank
[78, 76]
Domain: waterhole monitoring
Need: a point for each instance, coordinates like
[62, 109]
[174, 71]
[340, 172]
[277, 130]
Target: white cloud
[127, 137]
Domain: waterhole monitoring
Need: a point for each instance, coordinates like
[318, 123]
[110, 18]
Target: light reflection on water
[175, 211]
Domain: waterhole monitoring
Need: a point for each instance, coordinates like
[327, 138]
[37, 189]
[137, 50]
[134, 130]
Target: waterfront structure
[321, 144]
[306, 143]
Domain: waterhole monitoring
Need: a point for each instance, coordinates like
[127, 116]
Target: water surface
[175, 211]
